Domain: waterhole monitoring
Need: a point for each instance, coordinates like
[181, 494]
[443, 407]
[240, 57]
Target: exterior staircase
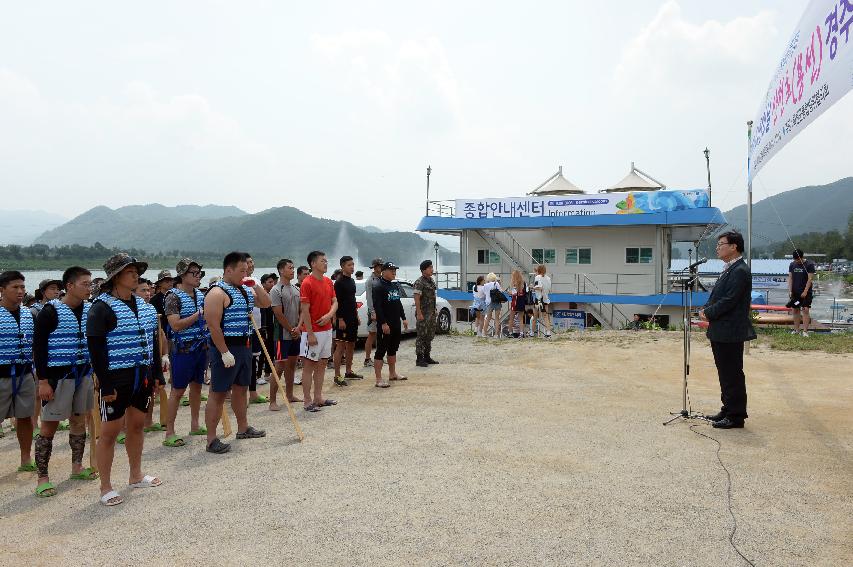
[513, 251]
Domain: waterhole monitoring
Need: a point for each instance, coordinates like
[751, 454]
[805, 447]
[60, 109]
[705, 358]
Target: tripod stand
[687, 286]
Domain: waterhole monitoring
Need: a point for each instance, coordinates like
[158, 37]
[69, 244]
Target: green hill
[817, 208]
[277, 232]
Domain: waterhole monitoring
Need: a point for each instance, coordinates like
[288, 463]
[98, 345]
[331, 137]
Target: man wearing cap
[48, 291]
[389, 315]
[372, 281]
[228, 307]
[124, 350]
[17, 386]
[425, 313]
[164, 283]
[184, 306]
[65, 387]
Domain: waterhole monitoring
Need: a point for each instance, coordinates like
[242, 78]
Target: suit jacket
[728, 309]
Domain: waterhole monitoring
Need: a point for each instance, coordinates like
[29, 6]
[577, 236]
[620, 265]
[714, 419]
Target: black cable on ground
[728, 494]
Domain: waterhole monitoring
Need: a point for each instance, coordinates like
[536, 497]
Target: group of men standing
[116, 335]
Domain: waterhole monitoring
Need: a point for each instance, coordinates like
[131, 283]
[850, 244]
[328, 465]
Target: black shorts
[350, 334]
[387, 344]
[127, 398]
[287, 349]
[804, 301]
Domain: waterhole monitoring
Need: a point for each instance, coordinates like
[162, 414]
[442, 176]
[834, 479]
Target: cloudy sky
[337, 107]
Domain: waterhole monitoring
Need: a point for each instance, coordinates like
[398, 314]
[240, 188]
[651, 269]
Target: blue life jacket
[66, 346]
[196, 333]
[235, 317]
[131, 343]
[16, 339]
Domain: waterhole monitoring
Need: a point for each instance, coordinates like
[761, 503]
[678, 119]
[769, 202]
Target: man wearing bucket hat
[372, 281]
[48, 291]
[184, 307]
[124, 349]
[162, 285]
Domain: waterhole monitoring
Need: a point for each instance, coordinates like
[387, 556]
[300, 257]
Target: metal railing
[441, 208]
[449, 280]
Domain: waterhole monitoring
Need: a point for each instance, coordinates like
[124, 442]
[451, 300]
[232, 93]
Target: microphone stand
[687, 286]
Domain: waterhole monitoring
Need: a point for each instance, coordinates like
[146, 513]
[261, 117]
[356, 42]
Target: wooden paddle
[94, 420]
[164, 397]
[278, 381]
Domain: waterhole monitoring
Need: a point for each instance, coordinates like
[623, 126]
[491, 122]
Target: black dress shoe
[728, 423]
[429, 360]
[717, 417]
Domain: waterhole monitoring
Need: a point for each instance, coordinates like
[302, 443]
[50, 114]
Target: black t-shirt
[800, 275]
[6, 369]
[387, 304]
[345, 292]
[46, 323]
[102, 319]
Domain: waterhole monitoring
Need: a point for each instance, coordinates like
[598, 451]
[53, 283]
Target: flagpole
[749, 195]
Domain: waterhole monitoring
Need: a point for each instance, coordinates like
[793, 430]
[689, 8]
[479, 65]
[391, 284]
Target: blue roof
[702, 216]
[668, 299]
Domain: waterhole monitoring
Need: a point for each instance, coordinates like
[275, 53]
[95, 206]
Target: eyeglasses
[196, 273]
[723, 244]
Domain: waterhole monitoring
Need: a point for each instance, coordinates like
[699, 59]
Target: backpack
[496, 295]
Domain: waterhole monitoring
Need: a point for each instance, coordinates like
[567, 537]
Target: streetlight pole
[749, 195]
[429, 170]
[707, 153]
[436, 247]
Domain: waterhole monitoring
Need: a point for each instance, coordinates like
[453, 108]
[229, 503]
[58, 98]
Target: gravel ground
[508, 453]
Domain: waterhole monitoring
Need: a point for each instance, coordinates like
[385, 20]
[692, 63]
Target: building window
[578, 255]
[638, 255]
[488, 257]
[544, 255]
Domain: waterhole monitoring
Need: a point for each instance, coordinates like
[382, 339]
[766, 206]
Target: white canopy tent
[557, 185]
[636, 180]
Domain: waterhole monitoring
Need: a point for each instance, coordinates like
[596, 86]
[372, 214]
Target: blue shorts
[287, 349]
[188, 367]
[221, 378]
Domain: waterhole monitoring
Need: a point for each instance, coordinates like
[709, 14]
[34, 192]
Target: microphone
[697, 263]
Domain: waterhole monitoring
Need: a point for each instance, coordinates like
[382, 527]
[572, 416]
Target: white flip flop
[105, 499]
[147, 481]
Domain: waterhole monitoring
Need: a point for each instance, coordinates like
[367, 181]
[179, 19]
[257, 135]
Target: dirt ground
[510, 452]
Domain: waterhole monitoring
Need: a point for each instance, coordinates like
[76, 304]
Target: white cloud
[671, 52]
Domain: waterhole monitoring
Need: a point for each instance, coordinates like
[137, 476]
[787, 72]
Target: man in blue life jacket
[184, 307]
[17, 386]
[124, 349]
[227, 308]
[65, 385]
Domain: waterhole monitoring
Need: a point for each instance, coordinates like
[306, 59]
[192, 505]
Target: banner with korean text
[631, 203]
[815, 71]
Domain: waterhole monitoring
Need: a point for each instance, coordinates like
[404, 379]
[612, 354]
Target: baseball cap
[390, 266]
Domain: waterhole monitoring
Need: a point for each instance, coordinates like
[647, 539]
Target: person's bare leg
[106, 447]
[175, 396]
[239, 404]
[273, 395]
[133, 445]
[336, 357]
[377, 370]
[213, 413]
[392, 366]
[319, 375]
[350, 351]
[149, 415]
[24, 430]
[307, 378]
[195, 404]
[368, 344]
[289, 376]
[797, 318]
[806, 319]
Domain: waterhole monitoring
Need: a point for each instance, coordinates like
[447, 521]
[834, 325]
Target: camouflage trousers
[426, 331]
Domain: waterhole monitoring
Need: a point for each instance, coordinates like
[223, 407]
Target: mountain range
[276, 232]
[22, 227]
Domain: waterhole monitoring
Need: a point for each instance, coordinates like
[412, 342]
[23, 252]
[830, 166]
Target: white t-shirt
[542, 288]
[487, 290]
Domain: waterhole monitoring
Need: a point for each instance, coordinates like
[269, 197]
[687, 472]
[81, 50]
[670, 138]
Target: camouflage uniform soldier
[425, 314]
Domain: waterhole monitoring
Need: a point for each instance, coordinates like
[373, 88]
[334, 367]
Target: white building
[608, 254]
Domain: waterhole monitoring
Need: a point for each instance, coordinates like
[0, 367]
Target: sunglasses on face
[196, 273]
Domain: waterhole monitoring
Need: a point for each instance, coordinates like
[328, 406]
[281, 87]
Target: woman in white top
[479, 305]
[493, 308]
[542, 301]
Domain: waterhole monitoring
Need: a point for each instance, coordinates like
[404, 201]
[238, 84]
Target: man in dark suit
[728, 315]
